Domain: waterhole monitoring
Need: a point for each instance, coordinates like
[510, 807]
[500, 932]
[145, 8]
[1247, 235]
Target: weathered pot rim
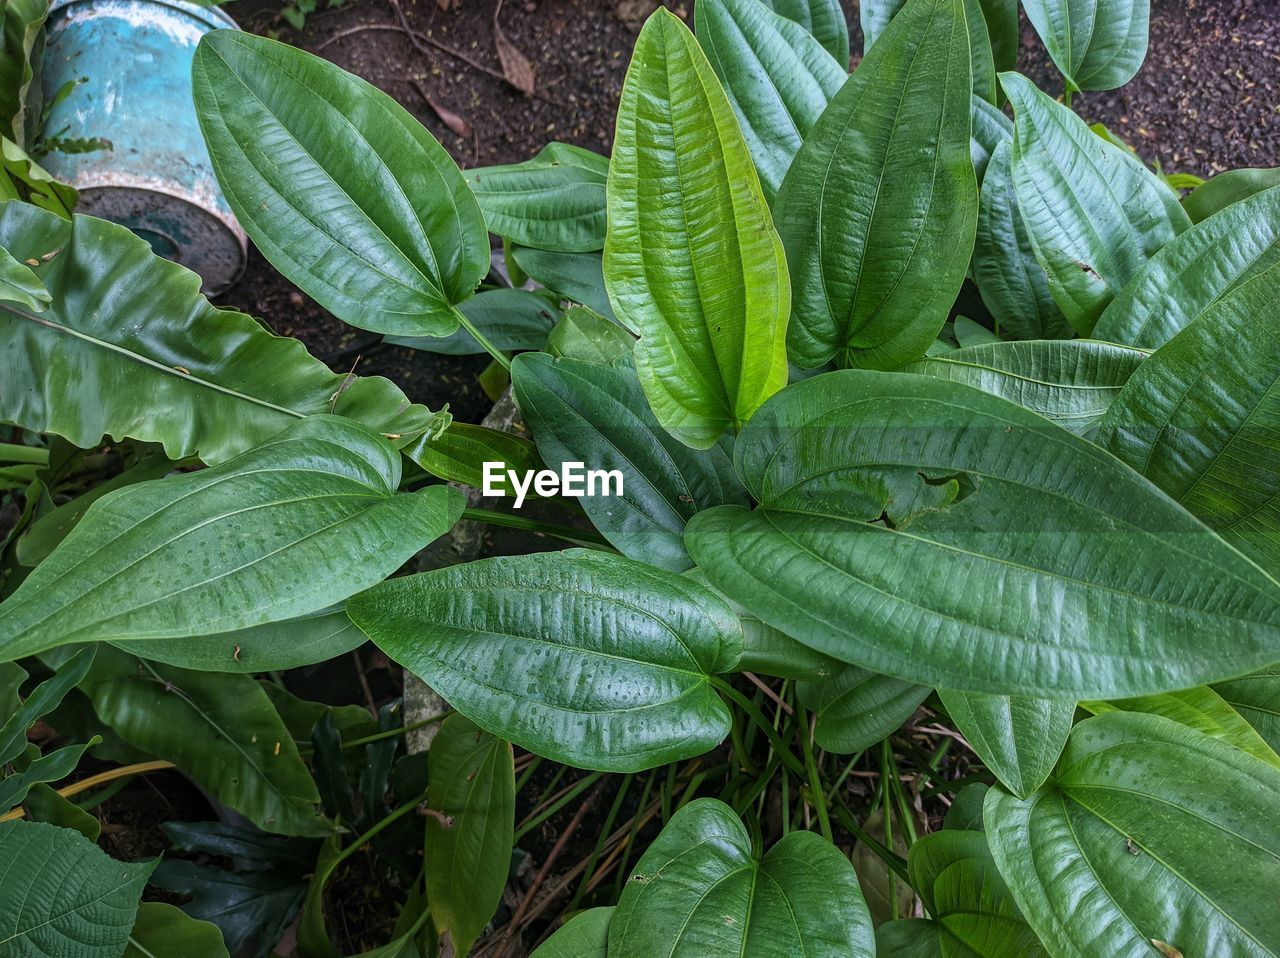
[213, 16]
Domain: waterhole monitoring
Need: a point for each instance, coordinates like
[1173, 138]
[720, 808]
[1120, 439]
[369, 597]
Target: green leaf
[710, 303]
[340, 188]
[50, 767]
[1019, 739]
[18, 284]
[44, 698]
[1150, 831]
[554, 201]
[585, 413]
[878, 234]
[1012, 285]
[980, 55]
[21, 42]
[582, 333]
[777, 76]
[823, 18]
[472, 796]
[1221, 191]
[1095, 44]
[874, 17]
[164, 365]
[21, 178]
[1199, 708]
[575, 276]
[1002, 30]
[1105, 583]
[64, 896]
[1256, 697]
[511, 319]
[990, 128]
[460, 453]
[162, 930]
[585, 935]
[202, 553]
[855, 708]
[1192, 273]
[1071, 382]
[1200, 419]
[1093, 212]
[702, 889]
[908, 938]
[585, 658]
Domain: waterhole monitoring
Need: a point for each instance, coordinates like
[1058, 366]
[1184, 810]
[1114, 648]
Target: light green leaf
[204, 553]
[473, 786]
[1071, 382]
[338, 186]
[894, 506]
[585, 658]
[1019, 739]
[875, 16]
[1093, 212]
[585, 935]
[511, 319]
[878, 234]
[856, 708]
[1149, 831]
[18, 284]
[1095, 44]
[162, 930]
[585, 413]
[582, 333]
[1256, 697]
[777, 76]
[460, 453]
[1219, 192]
[823, 18]
[554, 201]
[129, 347]
[21, 178]
[63, 896]
[702, 889]
[1194, 272]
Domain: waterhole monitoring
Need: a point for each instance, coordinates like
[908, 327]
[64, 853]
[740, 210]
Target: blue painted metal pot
[134, 57]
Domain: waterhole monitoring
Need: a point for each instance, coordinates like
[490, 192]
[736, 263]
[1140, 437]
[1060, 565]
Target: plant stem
[775, 740]
[815, 781]
[402, 730]
[93, 781]
[9, 452]
[583, 537]
[498, 355]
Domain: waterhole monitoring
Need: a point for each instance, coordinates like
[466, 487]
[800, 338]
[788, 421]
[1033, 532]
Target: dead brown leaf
[456, 124]
[516, 67]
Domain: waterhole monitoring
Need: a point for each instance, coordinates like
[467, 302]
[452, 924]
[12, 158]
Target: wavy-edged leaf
[42, 700]
[1219, 192]
[1201, 419]
[340, 188]
[777, 76]
[586, 658]
[1105, 583]
[1194, 272]
[50, 767]
[855, 708]
[585, 413]
[692, 262]
[511, 319]
[129, 348]
[165, 930]
[701, 889]
[1071, 382]
[585, 935]
[554, 201]
[18, 284]
[1095, 44]
[468, 847]
[823, 18]
[1095, 215]
[1149, 831]
[296, 525]
[62, 895]
[1256, 697]
[878, 233]
[1019, 739]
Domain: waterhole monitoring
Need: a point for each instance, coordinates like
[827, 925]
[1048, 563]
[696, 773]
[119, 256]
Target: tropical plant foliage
[938, 615]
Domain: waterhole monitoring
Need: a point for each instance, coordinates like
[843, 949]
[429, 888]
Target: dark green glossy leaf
[1219, 192]
[777, 76]
[875, 16]
[1149, 831]
[554, 201]
[202, 553]
[1194, 272]
[1002, 30]
[338, 186]
[585, 413]
[1018, 739]
[52, 766]
[1093, 212]
[908, 938]
[855, 708]
[161, 930]
[1105, 583]
[1071, 382]
[878, 236]
[511, 319]
[702, 889]
[710, 303]
[21, 41]
[1095, 44]
[823, 18]
[585, 935]
[575, 276]
[990, 128]
[473, 786]
[42, 700]
[582, 333]
[43, 804]
[18, 284]
[1256, 697]
[586, 658]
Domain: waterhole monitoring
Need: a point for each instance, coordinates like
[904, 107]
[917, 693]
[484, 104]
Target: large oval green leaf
[584, 413]
[823, 18]
[893, 507]
[585, 935]
[778, 78]
[129, 348]
[692, 262]
[1018, 738]
[1194, 271]
[1093, 212]
[1095, 44]
[340, 188]
[1256, 697]
[586, 658]
[1219, 192]
[879, 207]
[162, 928]
[1071, 382]
[1150, 831]
[510, 319]
[1201, 419]
[856, 708]
[702, 889]
[293, 526]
